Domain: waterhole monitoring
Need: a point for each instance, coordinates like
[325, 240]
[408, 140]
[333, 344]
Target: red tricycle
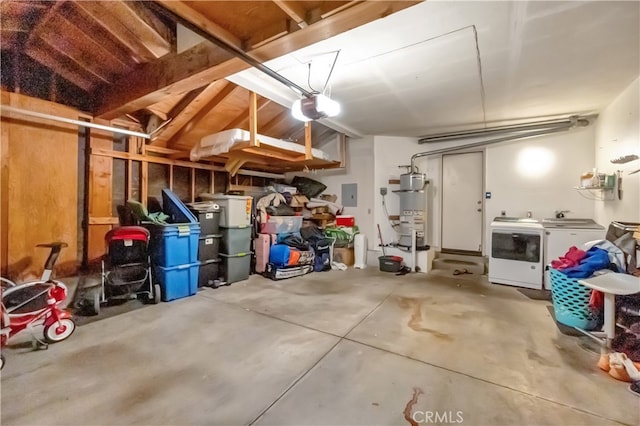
[36, 303]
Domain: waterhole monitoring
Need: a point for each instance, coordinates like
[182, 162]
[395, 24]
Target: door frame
[483, 162]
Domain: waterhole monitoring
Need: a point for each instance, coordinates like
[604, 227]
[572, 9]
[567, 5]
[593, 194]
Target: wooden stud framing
[149, 159]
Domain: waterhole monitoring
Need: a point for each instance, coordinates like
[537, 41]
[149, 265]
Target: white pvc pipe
[5, 108]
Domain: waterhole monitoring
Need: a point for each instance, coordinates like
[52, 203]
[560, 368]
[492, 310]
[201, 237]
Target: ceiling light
[315, 107]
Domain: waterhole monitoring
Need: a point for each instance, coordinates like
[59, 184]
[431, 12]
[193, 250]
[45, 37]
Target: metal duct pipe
[515, 128]
[577, 123]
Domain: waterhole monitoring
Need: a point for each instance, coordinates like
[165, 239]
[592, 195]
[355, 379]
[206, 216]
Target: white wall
[372, 161]
[359, 170]
[539, 175]
[618, 134]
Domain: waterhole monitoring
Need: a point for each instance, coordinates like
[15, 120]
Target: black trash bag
[308, 187]
[280, 210]
[311, 233]
[294, 240]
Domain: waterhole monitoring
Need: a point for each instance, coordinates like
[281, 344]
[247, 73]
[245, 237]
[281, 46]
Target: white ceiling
[416, 72]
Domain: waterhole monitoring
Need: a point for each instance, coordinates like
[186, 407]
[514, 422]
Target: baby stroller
[126, 268]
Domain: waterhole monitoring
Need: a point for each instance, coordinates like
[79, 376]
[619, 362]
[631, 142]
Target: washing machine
[516, 256]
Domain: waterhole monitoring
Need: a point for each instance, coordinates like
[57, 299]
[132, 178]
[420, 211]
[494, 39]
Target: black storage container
[208, 214]
[209, 273]
[208, 247]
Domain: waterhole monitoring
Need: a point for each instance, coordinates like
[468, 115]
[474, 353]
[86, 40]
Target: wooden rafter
[204, 108]
[128, 28]
[294, 10]
[340, 8]
[274, 122]
[244, 115]
[201, 21]
[64, 66]
[179, 73]
[179, 115]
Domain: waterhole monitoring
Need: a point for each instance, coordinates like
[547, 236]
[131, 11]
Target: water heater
[412, 208]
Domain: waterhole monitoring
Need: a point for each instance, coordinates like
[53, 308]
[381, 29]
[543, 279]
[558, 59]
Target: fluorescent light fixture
[314, 107]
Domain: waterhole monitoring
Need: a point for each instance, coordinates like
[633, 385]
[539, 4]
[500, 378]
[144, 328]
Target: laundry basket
[571, 302]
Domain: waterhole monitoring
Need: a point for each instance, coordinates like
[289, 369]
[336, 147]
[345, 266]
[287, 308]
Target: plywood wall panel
[100, 191]
[42, 188]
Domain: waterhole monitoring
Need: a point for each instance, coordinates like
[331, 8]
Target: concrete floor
[357, 347]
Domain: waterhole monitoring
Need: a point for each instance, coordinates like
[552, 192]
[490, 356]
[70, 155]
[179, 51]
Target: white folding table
[610, 284]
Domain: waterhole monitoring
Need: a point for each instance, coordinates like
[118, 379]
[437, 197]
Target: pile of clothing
[602, 255]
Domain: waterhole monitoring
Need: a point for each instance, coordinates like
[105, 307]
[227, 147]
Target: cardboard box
[320, 210]
[344, 255]
[298, 200]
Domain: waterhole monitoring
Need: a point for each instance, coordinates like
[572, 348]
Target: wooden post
[307, 141]
[253, 119]
[193, 185]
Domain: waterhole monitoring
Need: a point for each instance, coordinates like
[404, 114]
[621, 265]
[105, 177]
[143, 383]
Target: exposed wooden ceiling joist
[183, 72]
[294, 10]
[85, 51]
[201, 21]
[243, 117]
[180, 116]
[224, 88]
[122, 21]
[268, 127]
[41, 52]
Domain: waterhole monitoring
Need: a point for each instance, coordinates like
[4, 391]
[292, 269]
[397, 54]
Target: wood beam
[179, 115]
[51, 58]
[178, 73]
[128, 27]
[307, 141]
[294, 10]
[148, 159]
[201, 21]
[84, 50]
[204, 108]
[244, 115]
[253, 119]
[265, 35]
[340, 8]
[170, 75]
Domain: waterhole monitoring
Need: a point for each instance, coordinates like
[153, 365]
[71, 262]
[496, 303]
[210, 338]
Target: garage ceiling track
[119, 60]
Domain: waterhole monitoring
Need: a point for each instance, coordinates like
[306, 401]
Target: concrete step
[452, 262]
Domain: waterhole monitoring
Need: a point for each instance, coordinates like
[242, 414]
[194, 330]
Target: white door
[462, 177]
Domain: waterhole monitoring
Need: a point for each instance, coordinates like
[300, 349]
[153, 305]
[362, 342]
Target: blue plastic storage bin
[174, 207]
[174, 244]
[571, 302]
[177, 282]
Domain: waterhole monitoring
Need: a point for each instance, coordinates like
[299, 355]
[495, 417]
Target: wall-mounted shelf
[598, 193]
